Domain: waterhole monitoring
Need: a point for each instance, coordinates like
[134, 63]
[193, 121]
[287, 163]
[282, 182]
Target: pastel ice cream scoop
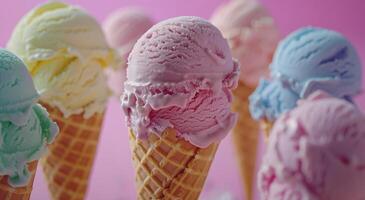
[66, 53]
[307, 60]
[252, 35]
[180, 75]
[316, 152]
[25, 127]
[122, 29]
[16, 88]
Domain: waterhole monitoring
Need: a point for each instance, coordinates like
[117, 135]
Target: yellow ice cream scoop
[66, 53]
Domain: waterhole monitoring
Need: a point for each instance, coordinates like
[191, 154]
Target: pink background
[112, 176]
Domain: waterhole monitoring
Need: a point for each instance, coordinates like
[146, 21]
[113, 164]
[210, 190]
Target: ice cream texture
[16, 88]
[25, 128]
[122, 29]
[252, 35]
[316, 152]
[307, 60]
[180, 75]
[66, 54]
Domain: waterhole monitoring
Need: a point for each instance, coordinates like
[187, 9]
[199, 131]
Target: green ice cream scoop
[19, 145]
[25, 127]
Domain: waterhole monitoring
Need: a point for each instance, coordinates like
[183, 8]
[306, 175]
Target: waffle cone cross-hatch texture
[68, 164]
[168, 167]
[245, 137]
[7, 192]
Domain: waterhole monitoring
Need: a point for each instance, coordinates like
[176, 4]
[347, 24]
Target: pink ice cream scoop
[122, 29]
[252, 36]
[316, 152]
[180, 75]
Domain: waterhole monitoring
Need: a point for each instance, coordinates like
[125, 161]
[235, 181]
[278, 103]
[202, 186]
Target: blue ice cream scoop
[270, 99]
[17, 91]
[307, 60]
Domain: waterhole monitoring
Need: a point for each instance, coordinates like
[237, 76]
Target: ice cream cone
[266, 127]
[168, 167]
[7, 192]
[68, 164]
[245, 136]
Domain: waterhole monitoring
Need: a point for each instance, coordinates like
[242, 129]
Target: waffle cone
[68, 164]
[7, 192]
[245, 137]
[168, 167]
[266, 127]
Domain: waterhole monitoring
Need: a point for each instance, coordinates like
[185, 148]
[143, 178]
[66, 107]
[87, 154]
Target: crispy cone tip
[168, 167]
[245, 137]
[69, 162]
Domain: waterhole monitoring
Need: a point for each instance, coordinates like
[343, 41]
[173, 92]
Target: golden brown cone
[245, 137]
[168, 167]
[7, 192]
[68, 164]
[266, 127]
